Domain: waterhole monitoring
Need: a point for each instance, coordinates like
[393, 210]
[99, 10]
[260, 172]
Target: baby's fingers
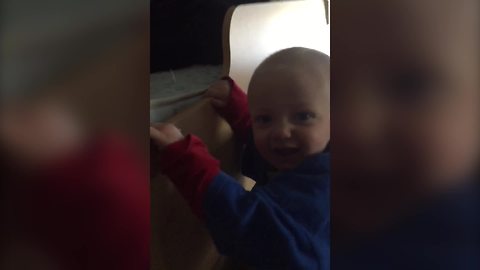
[165, 134]
[157, 136]
[219, 89]
[218, 103]
[212, 93]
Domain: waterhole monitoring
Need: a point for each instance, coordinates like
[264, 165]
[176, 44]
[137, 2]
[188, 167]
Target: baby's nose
[282, 131]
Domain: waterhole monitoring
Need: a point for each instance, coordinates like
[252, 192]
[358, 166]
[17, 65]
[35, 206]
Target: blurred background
[93, 53]
[74, 80]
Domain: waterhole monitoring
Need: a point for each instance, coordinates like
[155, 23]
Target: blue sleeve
[252, 227]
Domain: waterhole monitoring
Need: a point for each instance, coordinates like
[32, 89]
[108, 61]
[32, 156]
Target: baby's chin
[284, 167]
[288, 164]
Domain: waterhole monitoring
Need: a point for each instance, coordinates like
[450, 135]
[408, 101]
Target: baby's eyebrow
[305, 105]
[261, 111]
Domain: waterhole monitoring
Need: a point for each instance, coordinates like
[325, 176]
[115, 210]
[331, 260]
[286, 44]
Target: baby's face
[291, 116]
[406, 94]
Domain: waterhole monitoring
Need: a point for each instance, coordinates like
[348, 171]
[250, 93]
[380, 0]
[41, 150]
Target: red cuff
[236, 112]
[191, 169]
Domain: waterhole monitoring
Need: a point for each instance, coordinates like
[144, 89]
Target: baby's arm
[252, 227]
[231, 103]
[191, 169]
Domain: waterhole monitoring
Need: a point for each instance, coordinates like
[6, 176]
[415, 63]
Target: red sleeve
[92, 210]
[236, 112]
[191, 168]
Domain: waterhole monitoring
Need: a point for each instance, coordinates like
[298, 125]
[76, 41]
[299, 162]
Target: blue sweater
[282, 224]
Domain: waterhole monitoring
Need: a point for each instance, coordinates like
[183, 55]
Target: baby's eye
[304, 117]
[262, 119]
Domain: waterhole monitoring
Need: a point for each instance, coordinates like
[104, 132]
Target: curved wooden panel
[260, 29]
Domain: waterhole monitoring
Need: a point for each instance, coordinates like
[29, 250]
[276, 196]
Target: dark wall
[187, 32]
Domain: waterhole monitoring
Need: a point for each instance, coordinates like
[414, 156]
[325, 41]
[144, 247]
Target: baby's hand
[165, 134]
[219, 92]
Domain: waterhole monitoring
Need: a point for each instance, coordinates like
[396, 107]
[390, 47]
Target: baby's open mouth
[285, 151]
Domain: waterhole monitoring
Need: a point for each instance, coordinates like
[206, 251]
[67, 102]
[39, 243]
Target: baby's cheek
[261, 141]
[316, 139]
[446, 148]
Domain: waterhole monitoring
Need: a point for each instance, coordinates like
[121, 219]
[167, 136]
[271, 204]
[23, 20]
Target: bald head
[309, 62]
[297, 56]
